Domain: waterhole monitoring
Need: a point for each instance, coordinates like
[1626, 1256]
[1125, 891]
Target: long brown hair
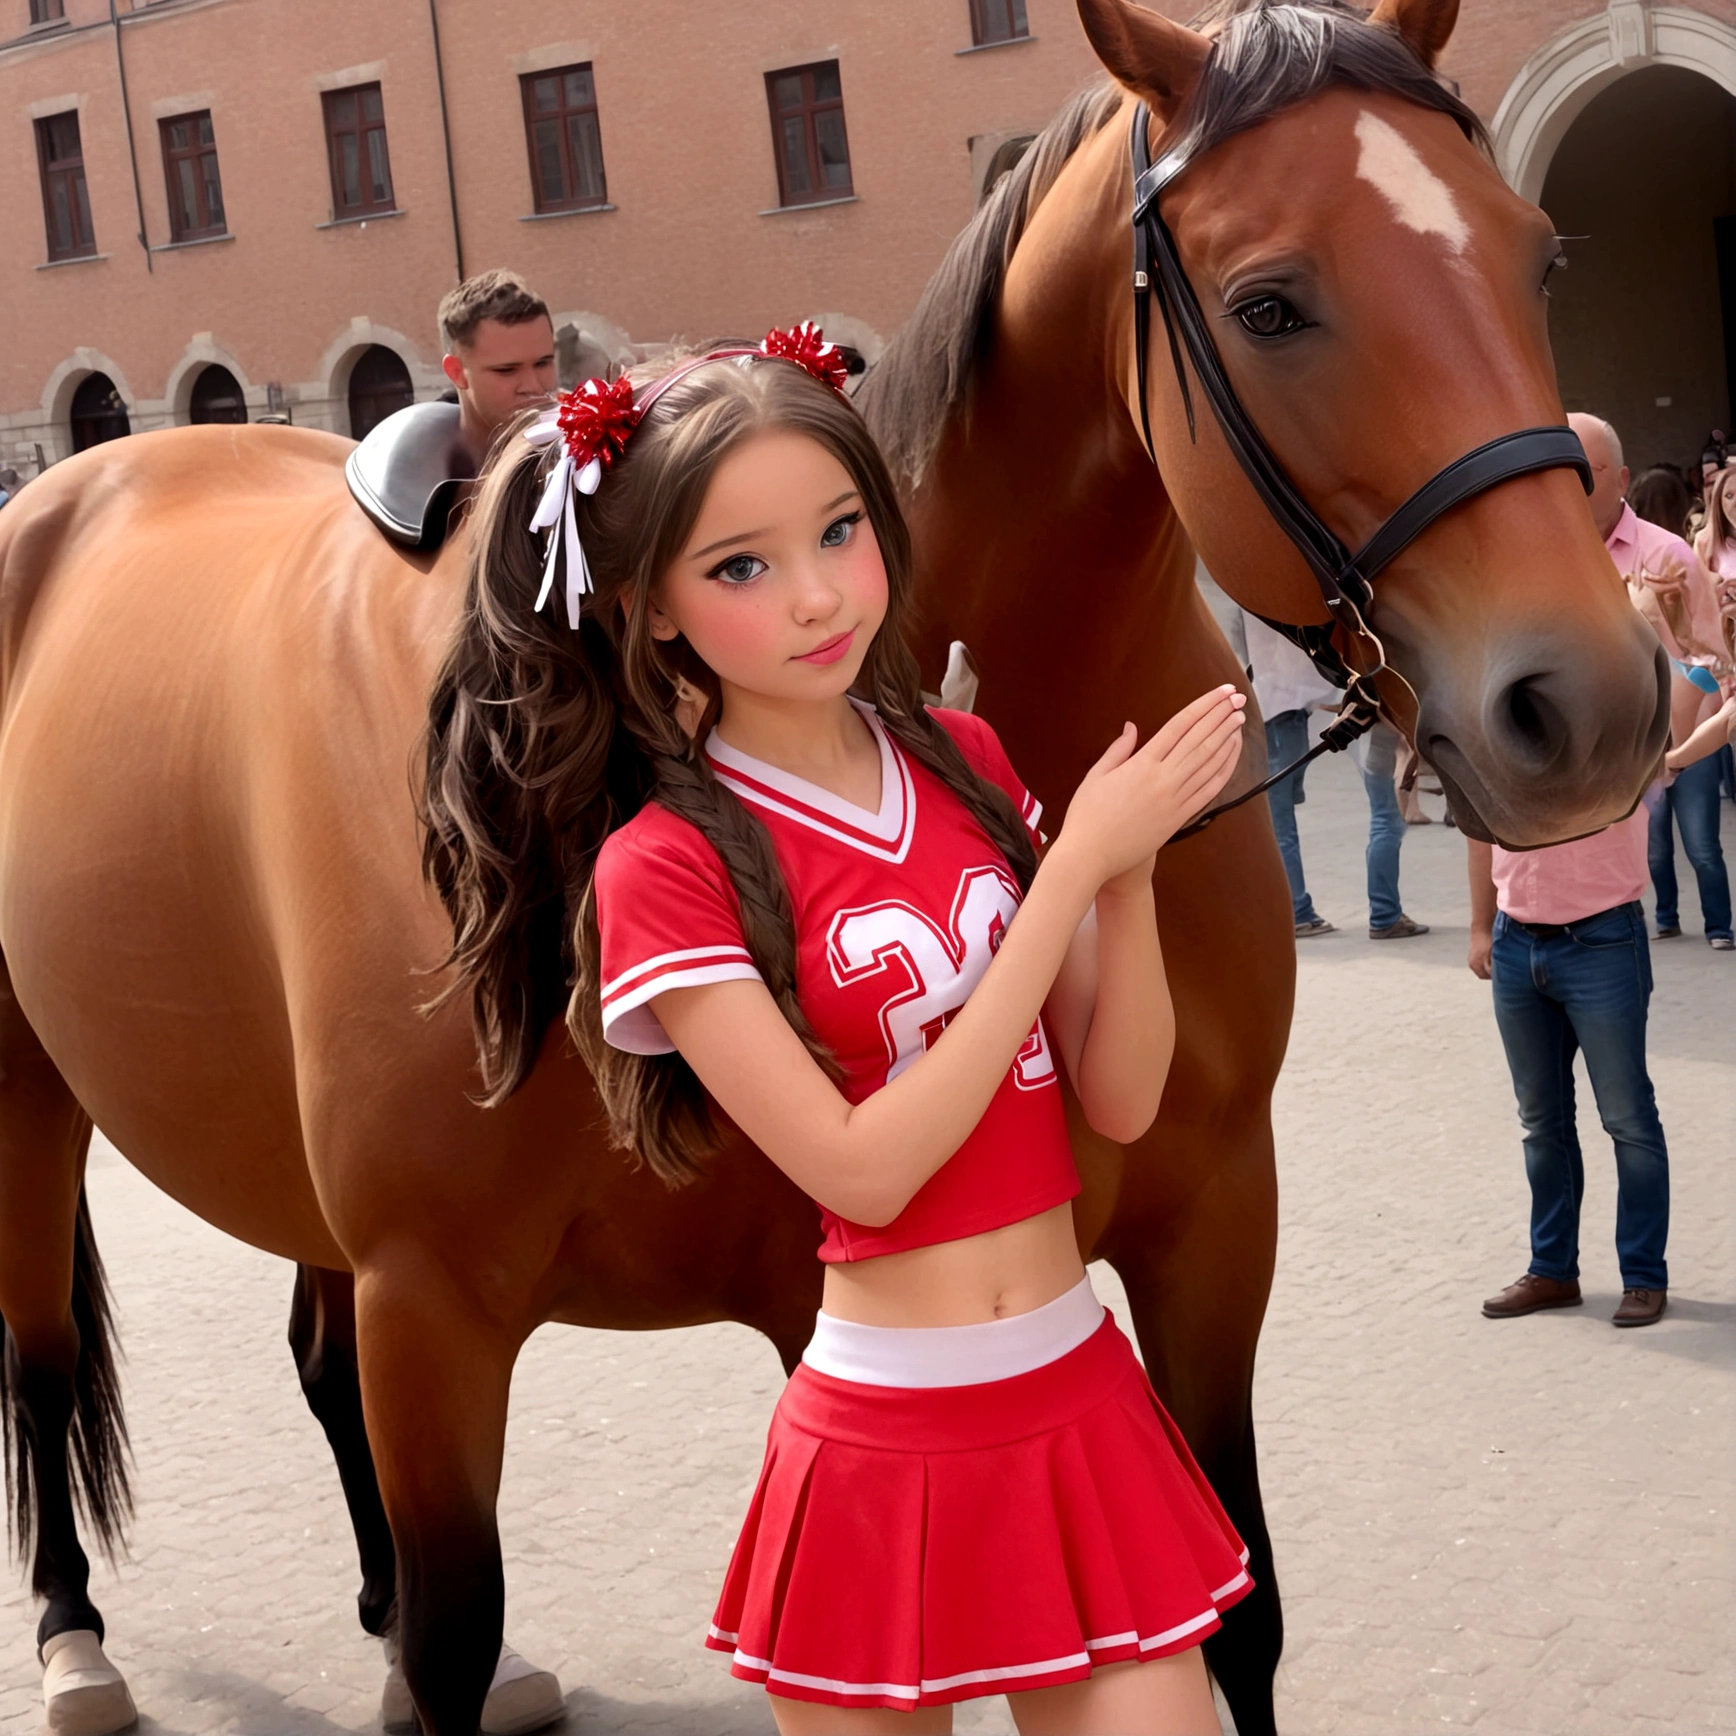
[1716, 542]
[542, 740]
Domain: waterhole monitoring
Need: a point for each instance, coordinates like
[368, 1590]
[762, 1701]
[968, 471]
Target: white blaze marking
[1419, 197]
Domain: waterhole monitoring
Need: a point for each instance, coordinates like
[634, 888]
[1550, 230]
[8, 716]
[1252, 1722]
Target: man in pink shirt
[1561, 934]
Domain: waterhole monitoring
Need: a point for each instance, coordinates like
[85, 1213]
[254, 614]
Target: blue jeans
[1385, 826]
[1585, 989]
[1287, 740]
[1693, 800]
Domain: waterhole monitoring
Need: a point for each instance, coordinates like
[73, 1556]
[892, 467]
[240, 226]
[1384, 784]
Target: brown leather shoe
[1641, 1307]
[1531, 1293]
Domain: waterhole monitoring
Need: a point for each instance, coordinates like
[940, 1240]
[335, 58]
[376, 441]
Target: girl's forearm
[1126, 1055]
[892, 1142]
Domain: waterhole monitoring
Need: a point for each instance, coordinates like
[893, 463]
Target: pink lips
[831, 651]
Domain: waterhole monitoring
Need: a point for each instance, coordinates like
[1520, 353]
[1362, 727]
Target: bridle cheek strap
[1346, 579]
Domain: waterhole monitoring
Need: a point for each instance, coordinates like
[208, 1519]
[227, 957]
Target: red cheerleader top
[897, 914]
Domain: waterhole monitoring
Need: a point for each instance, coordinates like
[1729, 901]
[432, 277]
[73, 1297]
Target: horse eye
[1269, 316]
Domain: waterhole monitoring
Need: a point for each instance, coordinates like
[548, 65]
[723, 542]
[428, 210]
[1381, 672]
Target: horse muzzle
[1545, 748]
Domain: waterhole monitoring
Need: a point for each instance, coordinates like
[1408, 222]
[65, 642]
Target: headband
[594, 422]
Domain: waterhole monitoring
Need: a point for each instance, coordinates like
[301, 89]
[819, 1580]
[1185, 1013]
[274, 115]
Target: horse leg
[59, 1395]
[1198, 1335]
[435, 1375]
[322, 1337]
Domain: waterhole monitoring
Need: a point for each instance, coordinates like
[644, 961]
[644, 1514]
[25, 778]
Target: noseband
[1346, 579]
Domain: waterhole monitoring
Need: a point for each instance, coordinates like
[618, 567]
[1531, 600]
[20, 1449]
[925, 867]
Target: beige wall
[693, 246]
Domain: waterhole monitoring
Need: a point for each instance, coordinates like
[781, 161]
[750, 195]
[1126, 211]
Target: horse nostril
[1531, 721]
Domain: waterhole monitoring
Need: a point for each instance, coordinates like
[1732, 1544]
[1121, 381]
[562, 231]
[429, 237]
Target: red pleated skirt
[918, 1547]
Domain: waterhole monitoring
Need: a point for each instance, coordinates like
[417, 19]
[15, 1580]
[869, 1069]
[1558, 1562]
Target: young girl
[803, 892]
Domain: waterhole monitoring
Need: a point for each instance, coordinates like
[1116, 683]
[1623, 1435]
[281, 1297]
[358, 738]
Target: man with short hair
[9, 484]
[500, 353]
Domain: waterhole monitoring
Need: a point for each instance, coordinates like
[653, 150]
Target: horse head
[1378, 300]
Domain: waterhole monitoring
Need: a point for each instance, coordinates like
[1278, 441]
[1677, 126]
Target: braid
[687, 787]
[655, 1103]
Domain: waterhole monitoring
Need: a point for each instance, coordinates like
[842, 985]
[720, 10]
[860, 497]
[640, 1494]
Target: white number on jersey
[941, 966]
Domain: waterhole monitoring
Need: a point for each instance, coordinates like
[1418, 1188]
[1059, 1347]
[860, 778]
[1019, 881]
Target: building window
[355, 122]
[195, 192]
[808, 133]
[216, 397]
[97, 413]
[566, 147]
[65, 200]
[47, 11]
[997, 21]
[379, 386]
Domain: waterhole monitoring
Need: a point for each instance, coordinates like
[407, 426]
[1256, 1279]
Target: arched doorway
[217, 397]
[1643, 322]
[379, 386]
[97, 413]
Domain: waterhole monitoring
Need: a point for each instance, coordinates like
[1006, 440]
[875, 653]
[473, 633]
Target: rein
[1346, 578]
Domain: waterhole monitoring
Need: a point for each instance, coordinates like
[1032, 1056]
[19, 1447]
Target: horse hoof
[521, 1697]
[82, 1692]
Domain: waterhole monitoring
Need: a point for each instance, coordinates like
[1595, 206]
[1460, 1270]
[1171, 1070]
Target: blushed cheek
[734, 633]
[867, 583]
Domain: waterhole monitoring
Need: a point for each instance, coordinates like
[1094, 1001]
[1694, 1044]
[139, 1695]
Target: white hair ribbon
[557, 511]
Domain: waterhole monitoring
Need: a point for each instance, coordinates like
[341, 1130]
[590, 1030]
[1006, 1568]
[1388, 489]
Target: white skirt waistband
[922, 1356]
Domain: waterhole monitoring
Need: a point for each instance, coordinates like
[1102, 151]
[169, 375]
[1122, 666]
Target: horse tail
[98, 1441]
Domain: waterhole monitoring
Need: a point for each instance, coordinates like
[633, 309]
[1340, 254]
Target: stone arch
[324, 401]
[63, 382]
[361, 334]
[1560, 79]
[202, 352]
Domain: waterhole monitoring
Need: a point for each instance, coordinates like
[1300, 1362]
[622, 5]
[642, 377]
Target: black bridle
[1346, 579]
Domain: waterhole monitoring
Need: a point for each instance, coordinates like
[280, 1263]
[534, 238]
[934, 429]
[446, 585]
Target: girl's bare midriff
[988, 1277]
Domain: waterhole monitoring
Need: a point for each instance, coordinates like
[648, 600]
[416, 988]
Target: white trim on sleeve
[631, 1026]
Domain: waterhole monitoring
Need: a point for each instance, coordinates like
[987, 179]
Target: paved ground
[1516, 1527]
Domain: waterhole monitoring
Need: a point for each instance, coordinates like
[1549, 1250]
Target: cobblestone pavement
[1515, 1527]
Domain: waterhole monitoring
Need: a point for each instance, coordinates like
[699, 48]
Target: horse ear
[1424, 24]
[1151, 55]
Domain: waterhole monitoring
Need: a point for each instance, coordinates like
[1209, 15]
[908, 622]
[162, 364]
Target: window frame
[71, 169]
[1018, 23]
[573, 199]
[196, 153]
[47, 12]
[360, 132]
[810, 109]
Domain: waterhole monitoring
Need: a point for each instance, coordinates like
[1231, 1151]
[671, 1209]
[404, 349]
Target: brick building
[302, 182]
[226, 208]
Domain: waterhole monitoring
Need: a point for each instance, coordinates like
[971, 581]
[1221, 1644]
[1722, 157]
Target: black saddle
[407, 473]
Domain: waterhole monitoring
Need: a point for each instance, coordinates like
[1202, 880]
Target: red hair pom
[806, 346]
[596, 418]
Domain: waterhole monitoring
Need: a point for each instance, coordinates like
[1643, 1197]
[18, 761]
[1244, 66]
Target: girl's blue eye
[739, 569]
[840, 530]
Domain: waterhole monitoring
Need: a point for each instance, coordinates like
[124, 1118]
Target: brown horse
[215, 675]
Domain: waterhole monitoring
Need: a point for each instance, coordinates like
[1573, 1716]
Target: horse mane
[1267, 56]
[928, 367]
